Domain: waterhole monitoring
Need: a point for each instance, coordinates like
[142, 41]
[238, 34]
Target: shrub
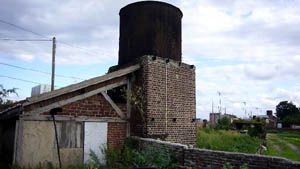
[154, 156]
[129, 157]
[224, 123]
[257, 131]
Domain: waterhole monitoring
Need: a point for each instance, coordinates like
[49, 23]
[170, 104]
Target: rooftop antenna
[245, 103]
[212, 105]
[220, 102]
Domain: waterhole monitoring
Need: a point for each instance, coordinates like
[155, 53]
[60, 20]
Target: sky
[246, 52]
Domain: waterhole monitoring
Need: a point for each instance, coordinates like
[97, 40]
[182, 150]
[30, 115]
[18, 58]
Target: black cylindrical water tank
[149, 28]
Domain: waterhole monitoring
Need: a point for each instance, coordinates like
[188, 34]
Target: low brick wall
[208, 159]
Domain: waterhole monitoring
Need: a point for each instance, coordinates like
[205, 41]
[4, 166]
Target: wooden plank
[83, 84]
[71, 118]
[128, 94]
[76, 98]
[113, 104]
[19, 142]
[16, 141]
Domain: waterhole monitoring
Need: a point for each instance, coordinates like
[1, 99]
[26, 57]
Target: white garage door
[95, 138]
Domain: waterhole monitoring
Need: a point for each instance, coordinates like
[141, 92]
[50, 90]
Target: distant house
[201, 123]
[214, 117]
[270, 119]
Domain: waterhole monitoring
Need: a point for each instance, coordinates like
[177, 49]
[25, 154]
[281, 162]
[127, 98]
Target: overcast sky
[249, 51]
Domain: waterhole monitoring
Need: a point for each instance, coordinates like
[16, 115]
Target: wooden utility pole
[53, 63]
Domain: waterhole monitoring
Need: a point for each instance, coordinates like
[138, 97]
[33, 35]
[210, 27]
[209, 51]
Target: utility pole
[53, 63]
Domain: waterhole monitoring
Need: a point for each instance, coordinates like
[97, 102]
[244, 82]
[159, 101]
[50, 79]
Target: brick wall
[94, 106]
[97, 106]
[194, 158]
[116, 134]
[169, 89]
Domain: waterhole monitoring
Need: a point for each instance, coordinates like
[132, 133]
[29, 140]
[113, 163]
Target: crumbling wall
[36, 142]
[36, 145]
[194, 158]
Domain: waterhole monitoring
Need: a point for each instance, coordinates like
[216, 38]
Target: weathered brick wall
[195, 158]
[169, 88]
[116, 134]
[94, 106]
[199, 158]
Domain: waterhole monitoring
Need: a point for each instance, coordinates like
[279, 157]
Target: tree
[4, 93]
[292, 119]
[288, 113]
[286, 108]
[224, 123]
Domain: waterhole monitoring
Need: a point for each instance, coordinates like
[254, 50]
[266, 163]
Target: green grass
[223, 140]
[284, 144]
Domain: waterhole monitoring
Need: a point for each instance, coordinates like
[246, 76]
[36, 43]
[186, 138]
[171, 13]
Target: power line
[24, 29]
[39, 71]
[9, 39]
[28, 81]
[87, 51]
[38, 34]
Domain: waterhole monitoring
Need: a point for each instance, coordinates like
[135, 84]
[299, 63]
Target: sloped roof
[15, 110]
[11, 111]
[81, 85]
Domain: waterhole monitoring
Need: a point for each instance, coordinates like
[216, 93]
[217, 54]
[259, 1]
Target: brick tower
[150, 34]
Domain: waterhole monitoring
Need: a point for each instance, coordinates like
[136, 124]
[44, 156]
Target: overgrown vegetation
[254, 127]
[127, 157]
[137, 100]
[130, 157]
[224, 123]
[224, 140]
[284, 144]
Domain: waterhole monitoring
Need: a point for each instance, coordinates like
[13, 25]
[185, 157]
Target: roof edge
[80, 85]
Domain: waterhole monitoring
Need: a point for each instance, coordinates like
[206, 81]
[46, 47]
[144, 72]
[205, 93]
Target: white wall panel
[95, 138]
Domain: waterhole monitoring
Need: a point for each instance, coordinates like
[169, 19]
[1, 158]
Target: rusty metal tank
[149, 28]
